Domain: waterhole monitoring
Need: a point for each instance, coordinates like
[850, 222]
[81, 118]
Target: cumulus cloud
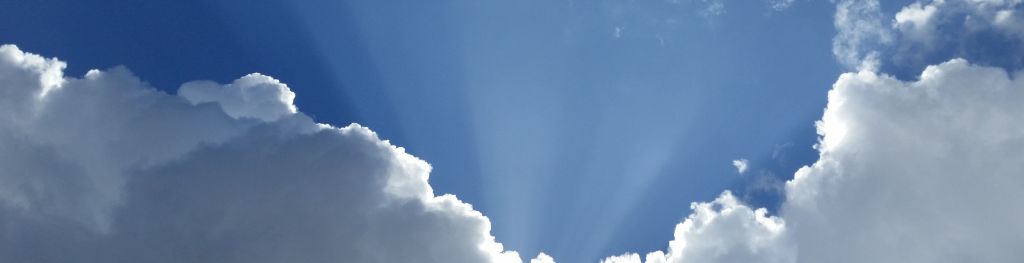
[107, 169]
[897, 157]
[252, 96]
[741, 165]
[921, 170]
[723, 230]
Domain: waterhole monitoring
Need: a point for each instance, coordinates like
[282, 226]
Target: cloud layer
[106, 169]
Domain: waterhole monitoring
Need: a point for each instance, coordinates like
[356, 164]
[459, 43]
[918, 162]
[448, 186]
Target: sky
[732, 131]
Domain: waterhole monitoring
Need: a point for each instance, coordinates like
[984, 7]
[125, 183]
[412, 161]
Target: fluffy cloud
[723, 230]
[927, 170]
[920, 20]
[106, 169]
[985, 32]
[252, 96]
[922, 171]
[929, 32]
[542, 258]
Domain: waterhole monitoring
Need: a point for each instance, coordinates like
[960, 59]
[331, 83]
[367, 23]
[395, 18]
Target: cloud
[542, 258]
[741, 165]
[107, 169]
[252, 96]
[723, 230]
[779, 5]
[989, 33]
[921, 170]
[860, 29]
[897, 156]
[104, 168]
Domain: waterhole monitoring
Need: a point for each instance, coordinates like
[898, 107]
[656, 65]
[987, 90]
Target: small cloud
[779, 5]
[741, 165]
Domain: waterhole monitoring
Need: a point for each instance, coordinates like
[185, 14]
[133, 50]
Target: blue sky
[580, 128]
[591, 131]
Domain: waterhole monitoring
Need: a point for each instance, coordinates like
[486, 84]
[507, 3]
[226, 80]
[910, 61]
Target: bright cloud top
[106, 169]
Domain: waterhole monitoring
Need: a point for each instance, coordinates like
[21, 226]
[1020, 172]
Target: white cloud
[252, 96]
[860, 29]
[723, 230]
[929, 32]
[917, 21]
[922, 171]
[106, 169]
[741, 165]
[542, 258]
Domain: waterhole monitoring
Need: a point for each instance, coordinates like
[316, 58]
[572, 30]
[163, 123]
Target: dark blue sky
[584, 128]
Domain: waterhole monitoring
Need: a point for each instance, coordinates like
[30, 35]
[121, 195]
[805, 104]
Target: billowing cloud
[922, 171]
[926, 170]
[106, 169]
[723, 230]
[252, 96]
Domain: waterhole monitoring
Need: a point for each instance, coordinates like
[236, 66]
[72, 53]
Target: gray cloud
[106, 169]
